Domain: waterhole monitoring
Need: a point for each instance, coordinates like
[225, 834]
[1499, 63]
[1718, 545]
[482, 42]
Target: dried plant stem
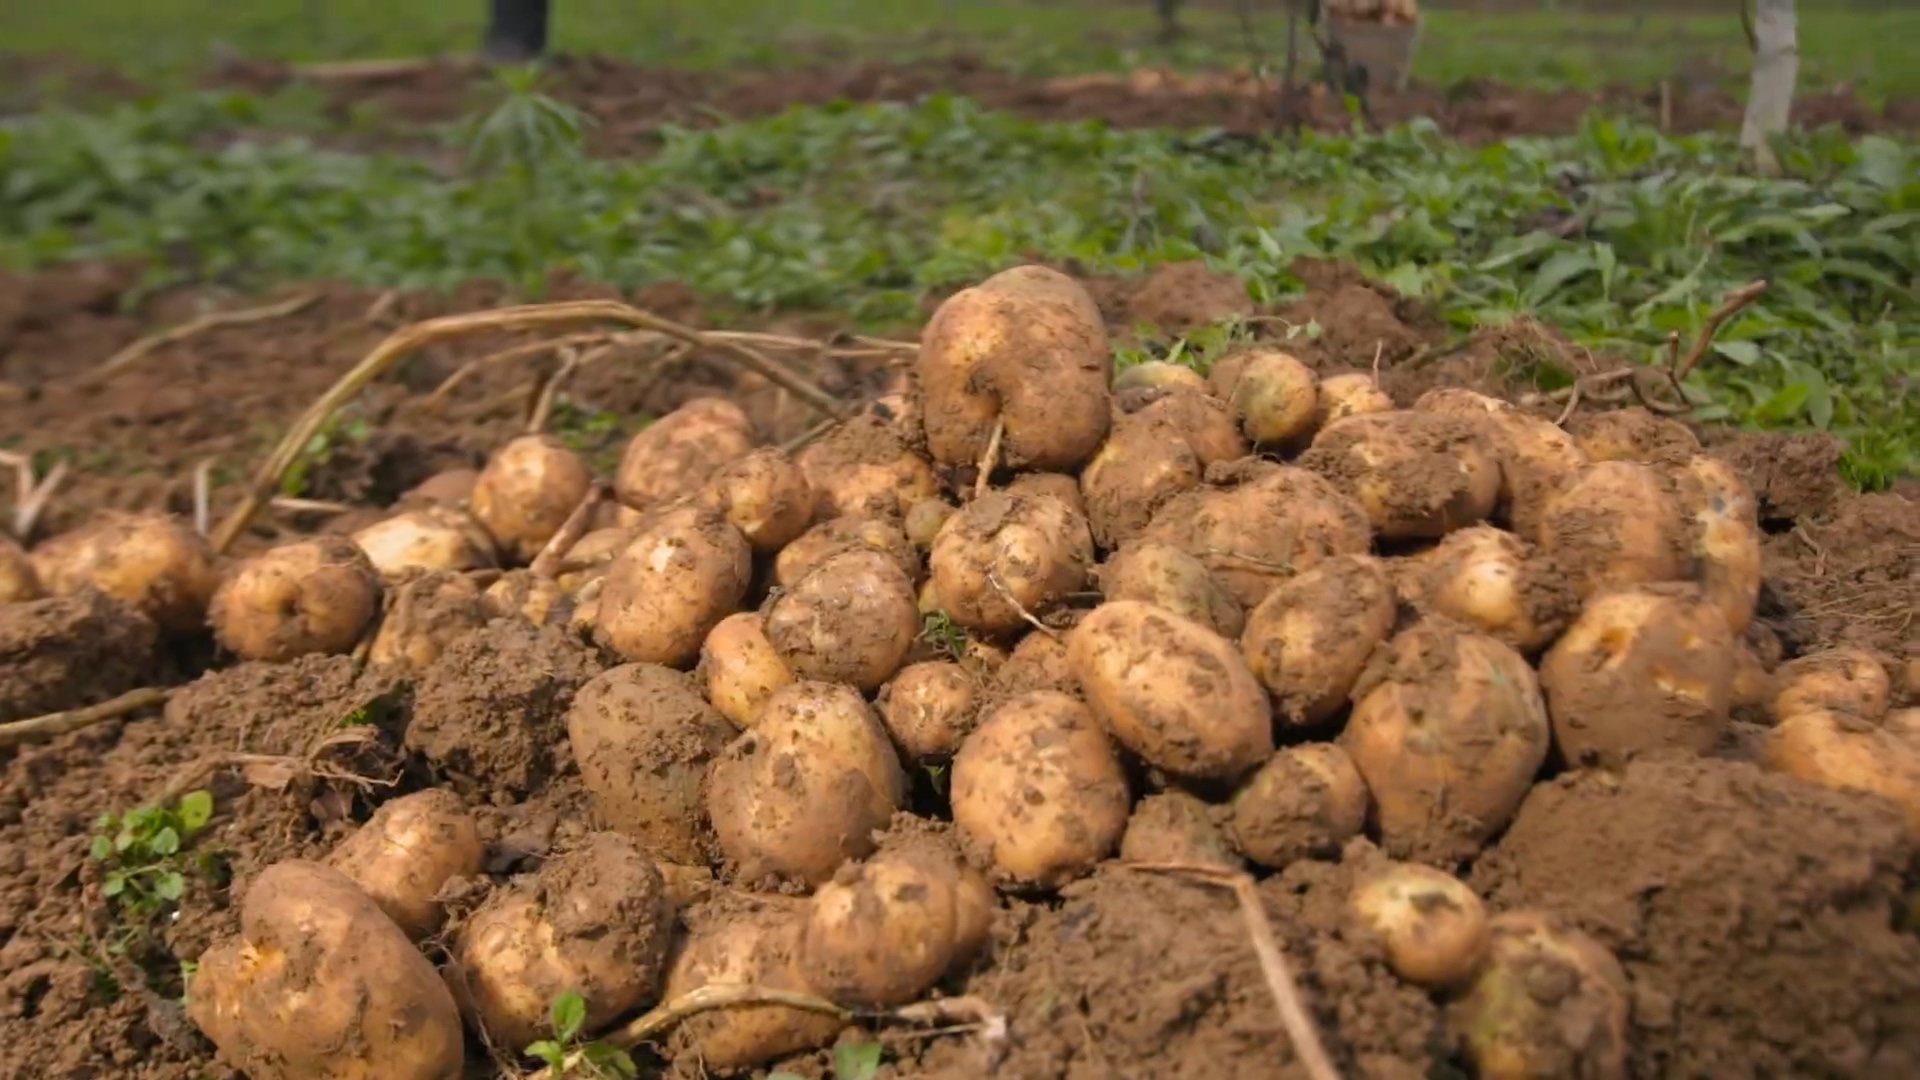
[990, 458]
[1615, 386]
[550, 390]
[203, 497]
[35, 728]
[547, 564]
[173, 335]
[30, 495]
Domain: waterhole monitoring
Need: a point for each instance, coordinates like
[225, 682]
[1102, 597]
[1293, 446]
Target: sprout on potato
[1549, 1001]
[426, 613]
[1005, 557]
[310, 596]
[1273, 394]
[408, 850]
[928, 709]
[677, 578]
[1433, 926]
[1304, 803]
[1614, 523]
[1496, 583]
[527, 491]
[1165, 576]
[740, 669]
[852, 620]
[678, 454]
[1417, 475]
[435, 538]
[150, 562]
[1310, 638]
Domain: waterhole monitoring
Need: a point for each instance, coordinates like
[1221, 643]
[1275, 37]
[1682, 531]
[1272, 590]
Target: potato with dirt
[1432, 925]
[1846, 679]
[928, 709]
[1724, 522]
[434, 538]
[595, 921]
[644, 741]
[1535, 455]
[426, 613]
[589, 558]
[1051, 485]
[1548, 1001]
[310, 596]
[864, 468]
[1171, 690]
[680, 453]
[924, 519]
[1633, 435]
[522, 594]
[17, 578]
[805, 789]
[1352, 393]
[150, 562]
[1024, 352]
[1418, 476]
[409, 850]
[1173, 826]
[1038, 662]
[1203, 420]
[765, 496]
[885, 929]
[1039, 796]
[830, 538]
[527, 491]
[1305, 802]
[740, 669]
[1847, 752]
[1615, 524]
[1311, 637]
[1498, 584]
[1141, 466]
[677, 578]
[852, 620]
[1448, 730]
[1164, 576]
[1159, 375]
[449, 487]
[321, 985]
[1007, 558]
[1274, 395]
[745, 940]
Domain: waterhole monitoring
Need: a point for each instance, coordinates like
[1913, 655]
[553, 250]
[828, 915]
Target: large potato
[1005, 557]
[427, 613]
[831, 537]
[1171, 690]
[149, 562]
[433, 538]
[411, 847]
[1496, 583]
[1535, 456]
[1417, 475]
[321, 985]
[1038, 793]
[1843, 751]
[676, 455]
[852, 620]
[864, 468]
[18, 581]
[1305, 802]
[1448, 730]
[679, 576]
[1310, 638]
[1726, 537]
[745, 941]
[1615, 523]
[1026, 348]
[765, 496]
[804, 790]
[1549, 1001]
[929, 708]
[1165, 576]
[740, 669]
[527, 491]
[310, 596]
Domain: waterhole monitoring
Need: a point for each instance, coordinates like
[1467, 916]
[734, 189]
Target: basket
[1386, 51]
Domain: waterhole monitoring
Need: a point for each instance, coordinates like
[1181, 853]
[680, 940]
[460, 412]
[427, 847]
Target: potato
[644, 741]
[924, 520]
[1204, 421]
[1272, 522]
[679, 576]
[1351, 394]
[1038, 794]
[740, 669]
[1634, 435]
[408, 850]
[1027, 349]
[321, 985]
[310, 596]
[1725, 528]
[1536, 456]
[864, 468]
[928, 709]
[147, 561]
[17, 578]
[520, 595]
[593, 553]
[765, 496]
[1159, 375]
[805, 789]
[745, 941]
[1164, 576]
[1433, 925]
[1847, 679]
[1305, 802]
[1055, 485]
[449, 487]
[1549, 1001]
[1613, 524]
[830, 538]
[595, 920]
[427, 613]
[883, 931]
[1498, 584]
[1142, 465]
[1750, 690]
[1448, 730]
[1845, 751]
[436, 538]
[1310, 638]
[1038, 662]
[678, 454]
[1175, 827]
[1274, 395]
[527, 491]
[1005, 558]
[1417, 475]
[852, 620]
[1171, 690]
[1904, 724]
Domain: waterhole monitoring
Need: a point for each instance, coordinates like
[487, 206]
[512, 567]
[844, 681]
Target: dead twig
[310, 506]
[550, 389]
[547, 564]
[32, 729]
[203, 497]
[993, 579]
[990, 458]
[800, 441]
[135, 352]
[1614, 386]
[35, 504]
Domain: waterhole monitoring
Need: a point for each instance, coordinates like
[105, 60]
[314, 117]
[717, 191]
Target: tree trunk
[1776, 67]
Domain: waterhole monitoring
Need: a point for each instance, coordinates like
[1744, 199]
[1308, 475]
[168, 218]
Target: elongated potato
[310, 596]
[1548, 1001]
[433, 538]
[764, 495]
[1417, 475]
[679, 576]
[929, 708]
[852, 620]
[1305, 802]
[831, 537]
[1273, 394]
[1167, 577]
[427, 613]
[1433, 925]
[742, 940]
[1843, 751]
[1615, 523]
[18, 581]
[411, 847]
[740, 669]
[678, 454]
[1848, 679]
[527, 491]
[1725, 529]
[1351, 393]
[865, 468]
[1310, 638]
[1171, 690]
[150, 562]
[321, 985]
[1498, 584]
[1005, 558]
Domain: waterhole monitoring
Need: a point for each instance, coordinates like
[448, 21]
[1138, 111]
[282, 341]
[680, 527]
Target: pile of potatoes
[1238, 617]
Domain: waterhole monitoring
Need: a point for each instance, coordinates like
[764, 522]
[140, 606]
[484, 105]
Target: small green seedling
[856, 1061]
[566, 1055]
[146, 873]
[938, 630]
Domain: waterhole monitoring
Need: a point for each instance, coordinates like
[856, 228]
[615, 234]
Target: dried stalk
[547, 563]
[50, 725]
[137, 351]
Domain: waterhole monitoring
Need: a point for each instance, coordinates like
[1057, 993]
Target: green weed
[569, 1054]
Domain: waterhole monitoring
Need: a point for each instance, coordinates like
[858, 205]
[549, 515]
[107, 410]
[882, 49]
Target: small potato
[595, 921]
[1496, 583]
[1615, 523]
[411, 847]
[1726, 537]
[310, 596]
[1175, 827]
[1164, 576]
[740, 669]
[1536, 456]
[593, 554]
[830, 538]
[806, 788]
[1433, 925]
[1417, 475]
[520, 595]
[436, 538]
[883, 931]
[1159, 375]
[1351, 394]
[1310, 638]
[679, 576]
[321, 985]
[1006, 558]
[1274, 395]
[765, 496]
[527, 491]
[1038, 662]
[1141, 466]
[1054, 485]
[928, 709]
[1634, 435]
[644, 741]
[1305, 802]
[1038, 794]
[149, 562]
[428, 612]
[1549, 1001]
[1848, 680]
[1448, 731]
[1204, 421]
[449, 487]
[852, 620]
[864, 468]
[1846, 752]
[924, 519]
[1171, 690]
[745, 941]
[17, 578]
[678, 454]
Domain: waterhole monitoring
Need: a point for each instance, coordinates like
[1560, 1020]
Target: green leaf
[165, 842]
[1744, 353]
[610, 1059]
[550, 1052]
[114, 885]
[1557, 271]
[857, 1061]
[102, 848]
[569, 1014]
[196, 809]
[1783, 405]
[170, 886]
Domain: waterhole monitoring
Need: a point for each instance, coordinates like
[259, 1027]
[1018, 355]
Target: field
[1712, 798]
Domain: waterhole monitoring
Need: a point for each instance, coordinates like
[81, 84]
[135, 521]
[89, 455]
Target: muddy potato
[1417, 475]
[678, 577]
[1173, 826]
[1159, 375]
[1052, 485]
[928, 709]
[1847, 679]
[1433, 925]
[1633, 435]
[678, 454]
[805, 789]
[1039, 797]
[436, 538]
[1448, 730]
[1141, 466]
[740, 669]
[595, 920]
[924, 520]
[1163, 575]
[449, 487]
[310, 596]
[1171, 690]
[1844, 751]
[1615, 523]
[852, 620]
[1904, 724]
[1498, 584]
[1273, 394]
[644, 741]
[527, 491]
[830, 538]
[883, 931]
[591, 555]
[1304, 803]
[765, 496]
[1725, 528]
[1750, 690]
[147, 561]
[865, 468]
[745, 941]
[1005, 558]
[321, 985]
[1535, 455]
[408, 850]
[1311, 637]
[427, 613]
[17, 578]
[1548, 1001]
[1204, 421]
[519, 594]
[1351, 394]
[1038, 662]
